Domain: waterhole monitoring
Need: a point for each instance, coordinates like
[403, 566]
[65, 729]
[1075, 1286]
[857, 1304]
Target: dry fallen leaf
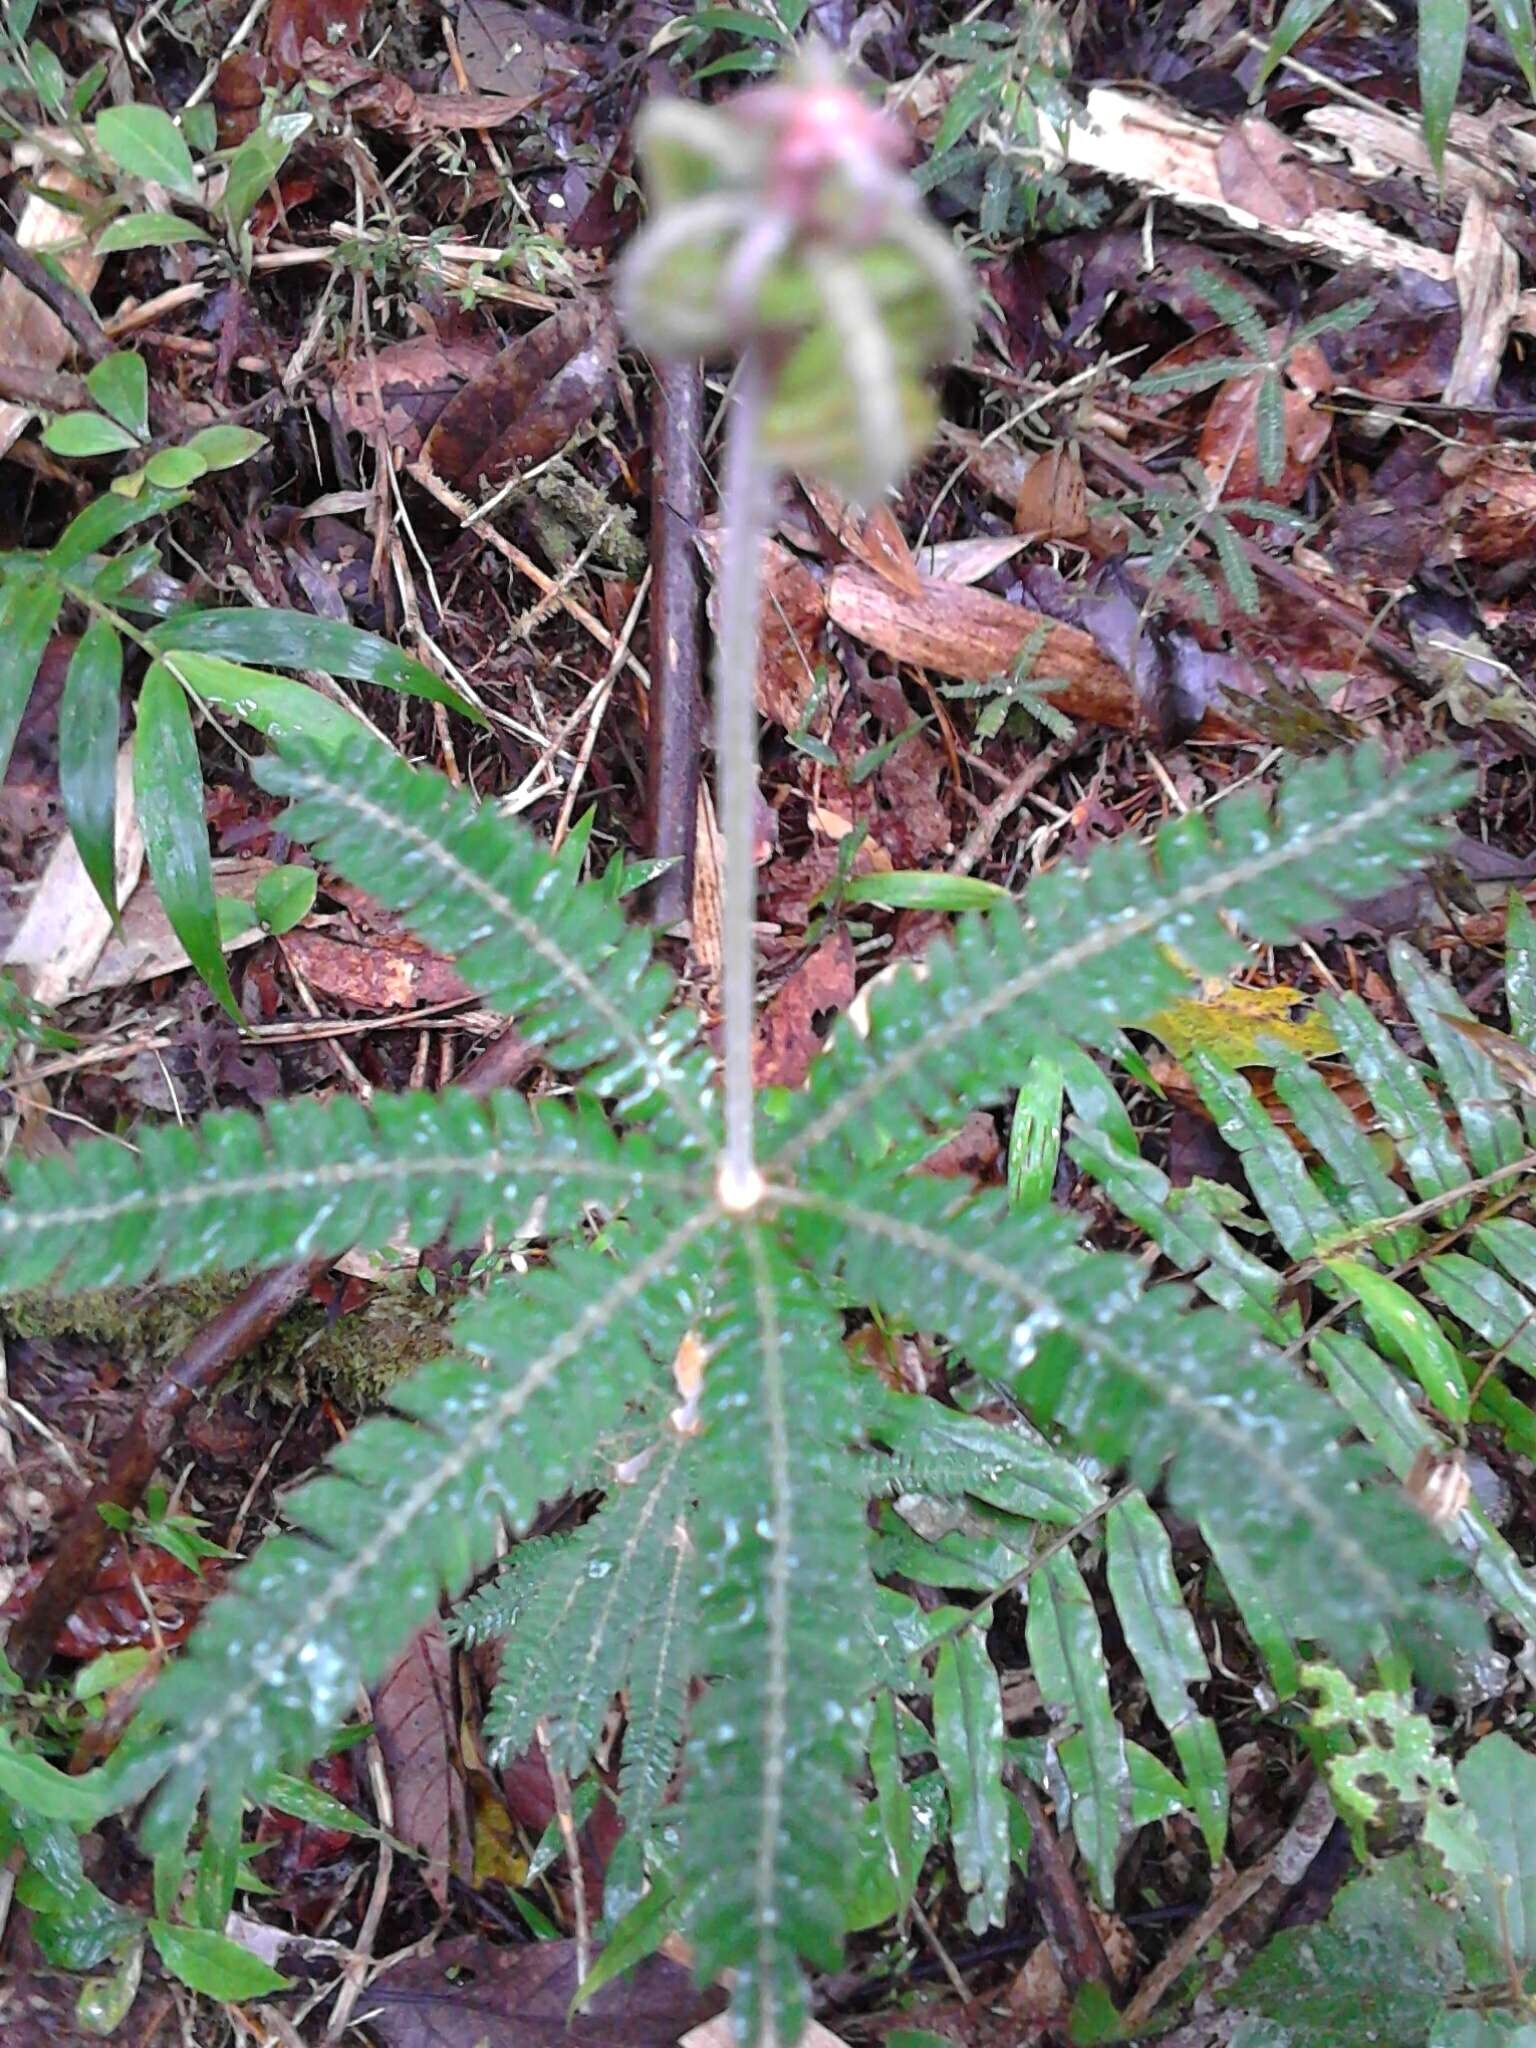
[1243, 1027]
[788, 1037]
[414, 1719]
[1262, 171]
[525, 405]
[373, 971]
[60, 940]
[401, 389]
[793, 622]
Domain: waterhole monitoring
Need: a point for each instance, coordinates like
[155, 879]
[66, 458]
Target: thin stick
[677, 503]
[743, 519]
[68, 308]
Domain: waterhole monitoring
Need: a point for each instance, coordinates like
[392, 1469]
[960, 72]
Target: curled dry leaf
[794, 1024]
[333, 24]
[526, 404]
[1261, 170]
[373, 971]
[399, 391]
[414, 1717]
[467, 1994]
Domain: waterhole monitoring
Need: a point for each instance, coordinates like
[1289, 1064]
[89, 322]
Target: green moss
[357, 1357]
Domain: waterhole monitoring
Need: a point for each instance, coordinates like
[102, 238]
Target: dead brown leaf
[1260, 170]
[873, 538]
[500, 49]
[1229, 448]
[793, 1025]
[1052, 503]
[400, 390]
[467, 1994]
[391, 105]
[794, 619]
[333, 24]
[373, 971]
[971, 635]
[414, 1719]
[527, 403]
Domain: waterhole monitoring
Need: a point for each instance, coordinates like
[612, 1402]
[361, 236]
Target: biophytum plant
[682, 1347]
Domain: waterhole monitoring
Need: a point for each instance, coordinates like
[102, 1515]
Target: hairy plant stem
[743, 524]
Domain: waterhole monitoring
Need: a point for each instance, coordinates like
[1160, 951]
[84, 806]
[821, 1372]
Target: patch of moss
[358, 1356]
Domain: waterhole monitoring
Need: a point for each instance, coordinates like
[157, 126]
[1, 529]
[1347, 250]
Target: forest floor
[1239, 467]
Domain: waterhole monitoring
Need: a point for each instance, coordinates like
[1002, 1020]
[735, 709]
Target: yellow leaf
[1244, 1027]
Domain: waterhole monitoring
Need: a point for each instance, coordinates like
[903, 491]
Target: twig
[71, 311]
[231, 1336]
[676, 703]
[1007, 801]
[1262, 1888]
[1069, 1929]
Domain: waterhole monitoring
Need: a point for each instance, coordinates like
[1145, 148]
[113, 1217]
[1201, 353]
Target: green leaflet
[168, 790]
[767, 1810]
[1066, 1654]
[28, 611]
[1162, 1637]
[968, 1739]
[88, 715]
[279, 639]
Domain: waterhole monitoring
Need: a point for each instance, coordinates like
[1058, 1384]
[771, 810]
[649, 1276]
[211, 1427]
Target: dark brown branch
[1070, 1933]
[55, 389]
[67, 306]
[231, 1336]
[676, 710]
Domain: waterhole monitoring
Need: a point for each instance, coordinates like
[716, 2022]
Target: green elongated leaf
[409, 1507]
[147, 231]
[1402, 1100]
[304, 1800]
[146, 143]
[1411, 1333]
[77, 1929]
[939, 1450]
[102, 521]
[1377, 1403]
[1367, 1191]
[1034, 1142]
[968, 1740]
[1299, 19]
[251, 170]
[1516, 26]
[1263, 1615]
[1443, 27]
[86, 433]
[1483, 1098]
[1300, 1214]
[1066, 1654]
[767, 1811]
[1182, 1226]
[657, 1696]
[1270, 443]
[1467, 2029]
[119, 383]
[284, 897]
[1485, 1301]
[211, 1964]
[893, 1800]
[275, 705]
[1497, 1783]
[28, 610]
[1520, 972]
[1126, 922]
[168, 792]
[279, 639]
[922, 889]
[88, 719]
[225, 447]
[1162, 1637]
[38, 1787]
[237, 1190]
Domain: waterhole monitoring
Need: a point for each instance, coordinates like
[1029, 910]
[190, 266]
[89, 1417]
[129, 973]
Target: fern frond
[657, 1693]
[1096, 947]
[1245, 1442]
[767, 1813]
[314, 1177]
[408, 1509]
[571, 1648]
[558, 957]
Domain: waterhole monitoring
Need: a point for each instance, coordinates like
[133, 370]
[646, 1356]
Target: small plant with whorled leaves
[688, 1359]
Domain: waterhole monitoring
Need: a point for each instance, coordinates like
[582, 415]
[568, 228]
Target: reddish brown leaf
[414, 1718]
[1229, 438]
[1260, 170]
[388, 971]
[400, 390]
[530, 400]
[467, 1994]
[333, 24]
[873, 538]
[794, 1023]
[384, 101]
[794, 619]
[143, 1596]
[1052, 503]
